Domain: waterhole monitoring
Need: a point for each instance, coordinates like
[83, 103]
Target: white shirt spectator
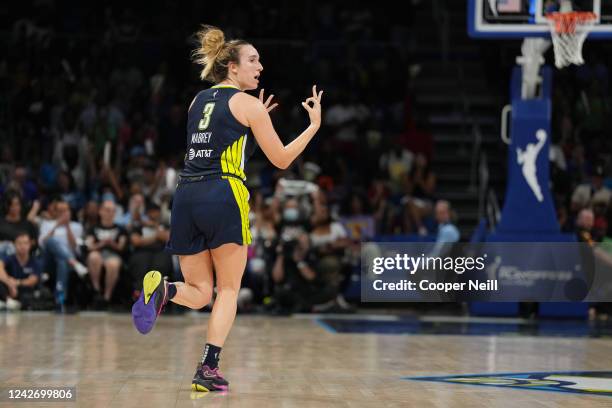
[397, 165]
[60, 233]
[556, 156]
[341, 113]
[336, 232]
[585, 195]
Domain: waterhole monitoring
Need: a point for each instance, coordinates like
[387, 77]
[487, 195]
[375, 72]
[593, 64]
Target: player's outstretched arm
[261, 125]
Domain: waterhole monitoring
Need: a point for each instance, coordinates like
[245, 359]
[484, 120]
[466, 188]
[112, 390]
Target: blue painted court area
[575, 382]
[468, 327]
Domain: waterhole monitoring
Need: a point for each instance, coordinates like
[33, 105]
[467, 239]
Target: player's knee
[228, 290]
[202, 302]
[204, 298]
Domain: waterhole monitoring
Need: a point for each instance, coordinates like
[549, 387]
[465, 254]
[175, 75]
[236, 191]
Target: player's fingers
[312, 99]
[314, 91]
[269, 99]
[261, 94]
[306, 106]
[272, 107]
[320, 95]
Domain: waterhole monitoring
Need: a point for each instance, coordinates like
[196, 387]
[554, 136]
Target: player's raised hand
[314, 111]
[268, 101]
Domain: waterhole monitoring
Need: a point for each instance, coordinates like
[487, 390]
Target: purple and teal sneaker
[153, 298]
[207, 379]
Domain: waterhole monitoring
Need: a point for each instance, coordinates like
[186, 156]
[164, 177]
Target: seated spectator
[19, 182]
[600, 225]
[584, 228]
[89, 215]
[106, 243]
[152, 184]
[329, 241]
[418, 203]
[398, 164]
[585, 195]
[298, 285]
[262, 250]
[447, 231]
[19, 274]
[148, 241]
[327, 236]
[378, 201]
[357, 221]
[60, 239]
[135, 215]
[13, 222]
[69, 192]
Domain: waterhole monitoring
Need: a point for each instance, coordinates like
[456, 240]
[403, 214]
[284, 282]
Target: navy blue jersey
[16, 270]
[216, 142]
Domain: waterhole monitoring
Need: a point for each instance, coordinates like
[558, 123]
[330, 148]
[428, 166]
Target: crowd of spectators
[581, 157]
[92, 122]
[93, 108]
[581, 153]
[93, 113]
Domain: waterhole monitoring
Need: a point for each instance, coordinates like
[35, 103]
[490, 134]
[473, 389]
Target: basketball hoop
[568, 31]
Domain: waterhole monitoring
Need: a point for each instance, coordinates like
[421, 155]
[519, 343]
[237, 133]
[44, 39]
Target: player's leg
[229, 261]
[196, 291]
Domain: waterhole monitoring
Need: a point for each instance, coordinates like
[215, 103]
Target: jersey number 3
[208, 110]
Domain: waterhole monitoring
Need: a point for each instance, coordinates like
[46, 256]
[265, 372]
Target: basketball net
[568, 30]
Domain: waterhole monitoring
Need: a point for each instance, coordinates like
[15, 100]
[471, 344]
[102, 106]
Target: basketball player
[210, 223]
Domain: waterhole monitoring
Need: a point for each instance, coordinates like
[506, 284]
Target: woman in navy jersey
[210, 224]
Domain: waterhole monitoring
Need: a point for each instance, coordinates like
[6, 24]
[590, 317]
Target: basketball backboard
[526, 18]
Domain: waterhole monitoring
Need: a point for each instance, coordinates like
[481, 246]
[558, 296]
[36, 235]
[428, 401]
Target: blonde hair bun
[214, 54]
[211, 41]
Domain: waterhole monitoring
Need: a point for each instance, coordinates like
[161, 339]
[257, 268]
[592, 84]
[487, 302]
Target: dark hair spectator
[13, 221]
[148, 239]
[19, 274]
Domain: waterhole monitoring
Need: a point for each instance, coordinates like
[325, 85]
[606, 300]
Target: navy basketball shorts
[207, 214]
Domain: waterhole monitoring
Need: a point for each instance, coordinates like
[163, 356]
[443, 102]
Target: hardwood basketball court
[303, 361]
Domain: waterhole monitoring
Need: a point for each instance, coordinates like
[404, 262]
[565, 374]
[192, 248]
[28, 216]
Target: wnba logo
[527, 160]
[192, 154]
